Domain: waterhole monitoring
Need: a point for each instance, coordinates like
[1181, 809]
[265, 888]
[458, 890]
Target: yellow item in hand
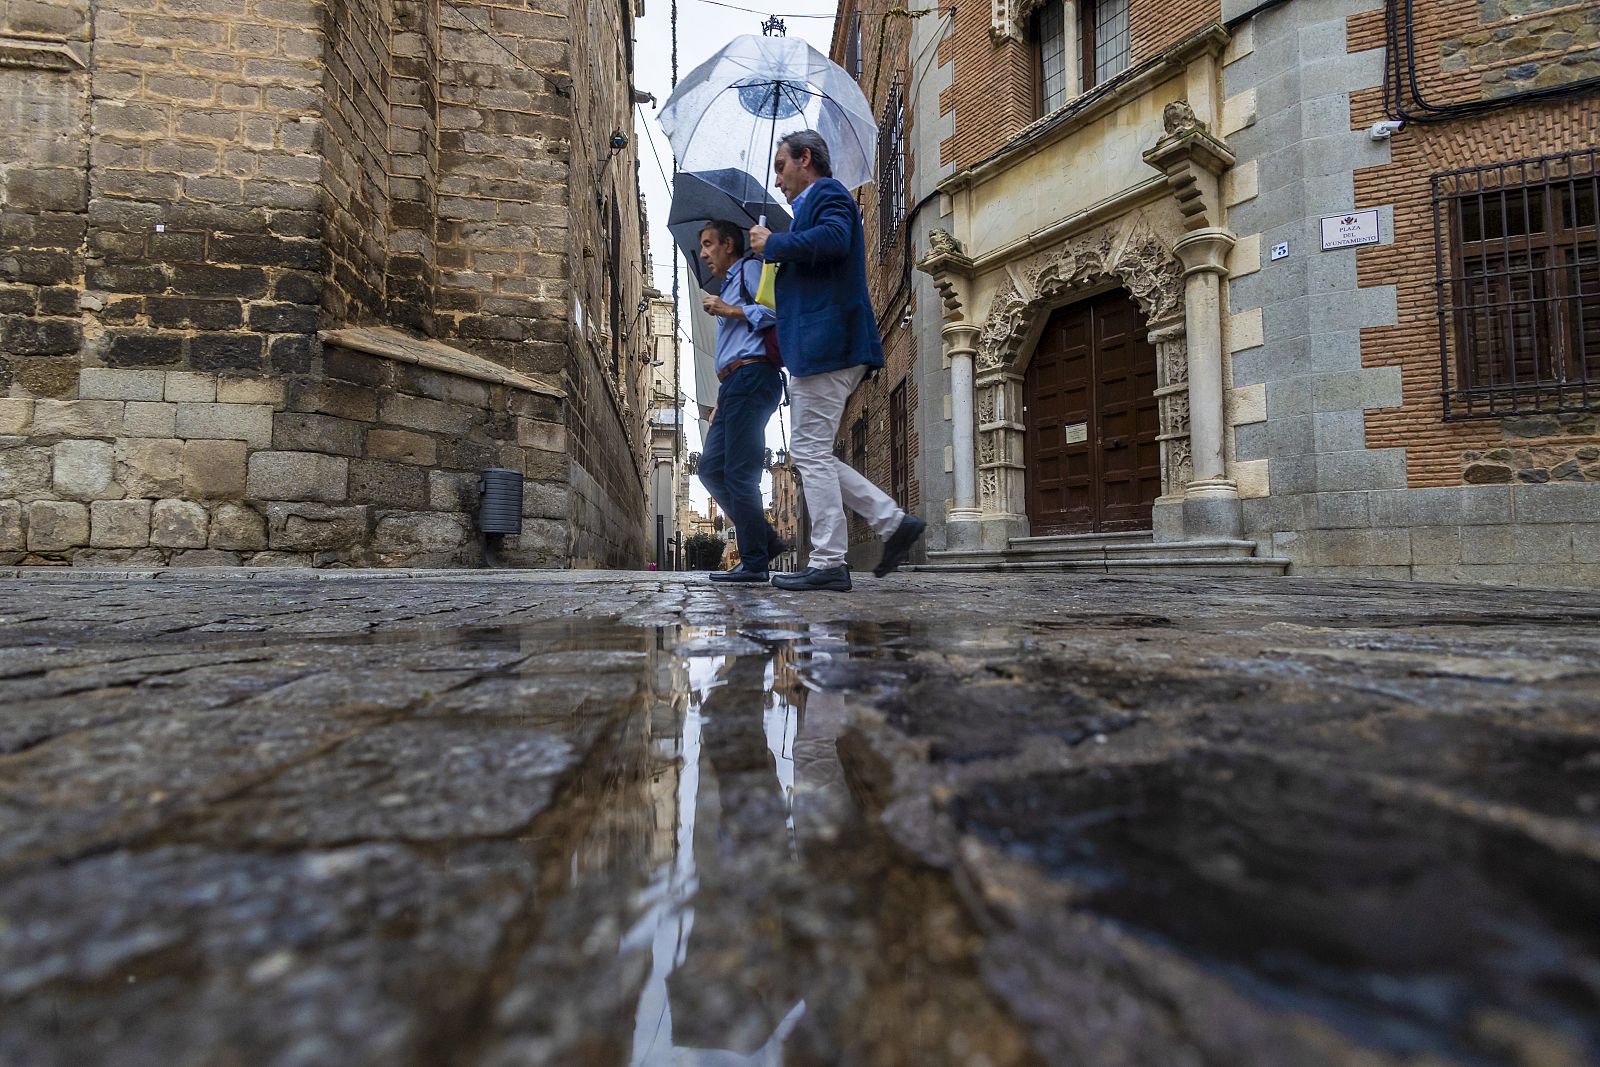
[767, 291]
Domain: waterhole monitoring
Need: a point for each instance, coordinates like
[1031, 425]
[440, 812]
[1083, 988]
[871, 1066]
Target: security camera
[1382, 131]
[905, 320]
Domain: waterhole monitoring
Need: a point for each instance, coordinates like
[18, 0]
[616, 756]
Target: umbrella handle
[762, 221]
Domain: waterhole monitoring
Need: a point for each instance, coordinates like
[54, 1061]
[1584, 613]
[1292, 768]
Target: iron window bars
[1518, 286]
[891, 168]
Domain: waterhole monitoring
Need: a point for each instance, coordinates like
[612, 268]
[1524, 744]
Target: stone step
[1189, 566]
[1100, 546]
[1043, 549]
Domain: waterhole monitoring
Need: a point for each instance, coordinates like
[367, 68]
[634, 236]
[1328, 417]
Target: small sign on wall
[1075, 433]
[1350, 229]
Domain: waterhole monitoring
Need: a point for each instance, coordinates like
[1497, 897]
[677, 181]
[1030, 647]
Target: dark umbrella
[702, 196]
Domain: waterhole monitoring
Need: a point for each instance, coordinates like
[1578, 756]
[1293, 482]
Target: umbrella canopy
[719, 194]
[731, 110]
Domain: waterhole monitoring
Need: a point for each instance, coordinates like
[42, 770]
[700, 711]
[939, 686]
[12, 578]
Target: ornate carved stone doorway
[1017, 317]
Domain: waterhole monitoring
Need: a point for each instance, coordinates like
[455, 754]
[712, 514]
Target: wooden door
[1093, 461]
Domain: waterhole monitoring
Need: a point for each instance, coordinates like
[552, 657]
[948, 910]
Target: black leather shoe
[836, 579]
[739, 575]
[898, 547]
[776, 546]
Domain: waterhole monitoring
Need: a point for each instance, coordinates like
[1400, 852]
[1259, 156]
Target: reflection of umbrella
[719, 194]
[731, 110]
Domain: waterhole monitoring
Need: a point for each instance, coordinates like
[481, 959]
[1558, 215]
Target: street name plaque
[1350, 229]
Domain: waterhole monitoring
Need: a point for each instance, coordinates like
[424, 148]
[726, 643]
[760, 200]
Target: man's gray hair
[801, 140]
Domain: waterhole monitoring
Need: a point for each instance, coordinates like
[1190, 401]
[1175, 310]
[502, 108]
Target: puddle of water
[742, 876]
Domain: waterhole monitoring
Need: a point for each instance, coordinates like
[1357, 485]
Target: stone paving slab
[485, 818]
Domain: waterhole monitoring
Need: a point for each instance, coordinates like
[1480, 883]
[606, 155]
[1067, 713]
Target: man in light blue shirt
[751, 386]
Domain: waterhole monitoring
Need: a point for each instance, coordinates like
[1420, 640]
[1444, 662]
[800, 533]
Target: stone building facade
[668, 483]
[878, 432]
[279, 279]
[1152, 362]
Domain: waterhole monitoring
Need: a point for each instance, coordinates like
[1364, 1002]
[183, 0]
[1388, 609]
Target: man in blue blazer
[829, 338]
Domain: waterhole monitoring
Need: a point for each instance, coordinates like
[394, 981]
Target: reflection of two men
[762, 770]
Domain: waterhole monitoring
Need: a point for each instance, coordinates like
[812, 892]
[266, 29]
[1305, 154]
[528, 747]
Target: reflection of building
[788, 513]
[668, 483]
[1183, 304]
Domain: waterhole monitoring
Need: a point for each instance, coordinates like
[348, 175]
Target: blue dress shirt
[741, 338]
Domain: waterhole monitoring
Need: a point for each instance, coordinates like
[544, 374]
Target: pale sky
[703, 27]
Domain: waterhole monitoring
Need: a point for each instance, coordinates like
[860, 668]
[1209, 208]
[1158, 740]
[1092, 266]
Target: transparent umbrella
[731, 110]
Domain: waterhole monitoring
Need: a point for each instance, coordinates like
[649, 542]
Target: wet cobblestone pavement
[494, 819]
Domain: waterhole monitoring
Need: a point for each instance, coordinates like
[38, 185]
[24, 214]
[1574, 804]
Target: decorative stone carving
[1193, 161]
[1152, 275]
[949, 267]
[1008, 17]
[1174, 361]
[986, 412]
[1079, 265]
[1179, 117]
[1003, 330]
[1144, 266]
[989, 492]
[943, 243]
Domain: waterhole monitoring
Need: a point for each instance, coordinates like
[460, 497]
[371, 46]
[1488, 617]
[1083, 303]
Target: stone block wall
[205, 210]
[366, 461]
[44, 194]
[356, 79]
[192, 192]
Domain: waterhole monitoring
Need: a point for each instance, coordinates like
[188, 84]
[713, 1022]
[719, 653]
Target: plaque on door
[1075, 433]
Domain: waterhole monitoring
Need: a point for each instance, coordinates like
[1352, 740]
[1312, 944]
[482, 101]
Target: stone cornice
[38, 54]
[1095, 104]
[386, 343]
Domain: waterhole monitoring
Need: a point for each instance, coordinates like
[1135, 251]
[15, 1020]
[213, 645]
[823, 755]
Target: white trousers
[830, 484]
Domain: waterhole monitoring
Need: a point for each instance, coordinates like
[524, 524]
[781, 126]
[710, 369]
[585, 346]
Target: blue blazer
[825, 317]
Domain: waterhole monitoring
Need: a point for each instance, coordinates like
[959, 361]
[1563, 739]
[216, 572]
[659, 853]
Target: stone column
[1193, 161]
[1211, 502]
[960, 345]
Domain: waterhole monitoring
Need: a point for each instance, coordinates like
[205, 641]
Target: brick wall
[1155, 24]
[993, 93]
[888, 267]
[205, 187]
[1440, 453]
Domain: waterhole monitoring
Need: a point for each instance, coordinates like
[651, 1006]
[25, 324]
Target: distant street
[496, 818]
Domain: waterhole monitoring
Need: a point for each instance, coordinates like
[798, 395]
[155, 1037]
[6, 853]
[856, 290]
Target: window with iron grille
[852, 46]
[1105, 40]
[891, 169]
[1519, 286]
[899, 450]
[858, 444]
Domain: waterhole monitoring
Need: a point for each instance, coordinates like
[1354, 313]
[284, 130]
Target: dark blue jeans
[732, 460]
